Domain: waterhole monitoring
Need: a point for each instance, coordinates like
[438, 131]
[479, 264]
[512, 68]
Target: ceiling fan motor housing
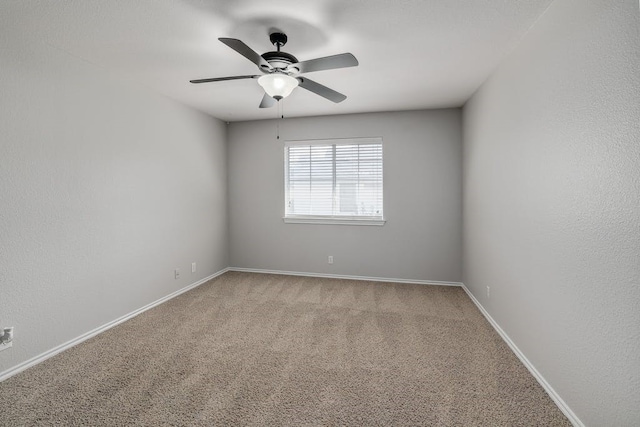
[279, 60]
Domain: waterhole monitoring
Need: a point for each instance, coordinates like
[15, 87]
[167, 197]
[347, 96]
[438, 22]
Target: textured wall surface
[105, 188]
[422, 194]
[552, 204]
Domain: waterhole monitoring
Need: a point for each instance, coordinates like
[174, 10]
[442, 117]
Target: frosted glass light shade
[278, 85]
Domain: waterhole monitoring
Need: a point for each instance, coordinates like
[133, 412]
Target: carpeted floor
[255, 349]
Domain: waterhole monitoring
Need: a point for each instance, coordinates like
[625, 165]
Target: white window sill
[333, 221]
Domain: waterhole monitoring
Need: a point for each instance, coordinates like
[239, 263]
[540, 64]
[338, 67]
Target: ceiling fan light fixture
[278, 85]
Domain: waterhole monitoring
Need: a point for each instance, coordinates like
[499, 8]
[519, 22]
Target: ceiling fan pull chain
[280, 117]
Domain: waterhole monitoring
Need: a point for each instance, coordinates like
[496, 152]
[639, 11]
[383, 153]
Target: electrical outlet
[488, 292]
[193, 267]
[6, 338]
[177, 273]
[330, 259]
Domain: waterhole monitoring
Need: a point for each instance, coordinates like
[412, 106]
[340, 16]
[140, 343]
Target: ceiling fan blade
[342, 60]
[220, 79]
[247, 52]
[267, 101]
[321, 90]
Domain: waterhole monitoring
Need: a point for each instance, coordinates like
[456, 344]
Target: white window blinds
[334, 179]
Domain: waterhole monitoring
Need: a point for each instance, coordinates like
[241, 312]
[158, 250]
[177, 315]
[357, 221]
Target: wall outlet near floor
[193, 267]
[177, 273]
[6, 338]
[488, 292]
[330, 259]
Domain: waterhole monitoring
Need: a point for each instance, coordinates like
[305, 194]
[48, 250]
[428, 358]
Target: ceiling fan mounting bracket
[278, 40]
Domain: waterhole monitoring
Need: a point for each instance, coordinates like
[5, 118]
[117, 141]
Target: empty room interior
[320, 213]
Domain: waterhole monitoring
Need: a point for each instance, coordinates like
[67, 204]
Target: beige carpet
[253, 349]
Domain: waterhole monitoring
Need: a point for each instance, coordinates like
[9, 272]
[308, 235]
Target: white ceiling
[413, 54]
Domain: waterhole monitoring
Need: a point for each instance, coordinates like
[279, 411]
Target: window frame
[332, 219]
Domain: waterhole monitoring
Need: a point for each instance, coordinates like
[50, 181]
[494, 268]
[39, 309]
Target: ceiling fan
[281, 70]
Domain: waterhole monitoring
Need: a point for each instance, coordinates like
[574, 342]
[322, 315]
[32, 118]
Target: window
[334, 181]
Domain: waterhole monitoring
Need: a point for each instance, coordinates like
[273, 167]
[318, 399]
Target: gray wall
[422, 194]
[552, 204]
[105, 188]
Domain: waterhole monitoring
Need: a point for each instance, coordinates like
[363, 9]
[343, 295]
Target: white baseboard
[537, 375]
[62, 347]
[340, 276]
